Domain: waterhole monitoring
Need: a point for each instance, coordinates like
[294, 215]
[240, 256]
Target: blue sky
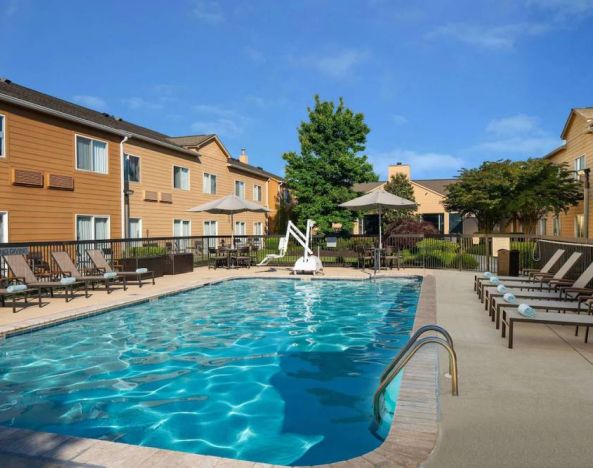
[442, 84]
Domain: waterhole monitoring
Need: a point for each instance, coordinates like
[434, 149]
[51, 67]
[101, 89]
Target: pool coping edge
[410, 441]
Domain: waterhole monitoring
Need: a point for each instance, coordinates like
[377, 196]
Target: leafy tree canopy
[501, 190]
[329, 163]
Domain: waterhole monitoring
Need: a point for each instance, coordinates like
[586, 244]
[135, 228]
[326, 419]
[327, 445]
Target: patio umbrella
[378, 200]
[230, 205]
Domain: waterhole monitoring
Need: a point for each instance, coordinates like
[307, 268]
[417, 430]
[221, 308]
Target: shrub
[407, 226]
[145, 251]
[466, 261]
[526, 250]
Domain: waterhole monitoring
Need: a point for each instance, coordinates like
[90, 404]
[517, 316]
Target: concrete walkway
[530, 406]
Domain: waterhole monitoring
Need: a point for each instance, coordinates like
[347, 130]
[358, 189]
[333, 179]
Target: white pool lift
[308, 263]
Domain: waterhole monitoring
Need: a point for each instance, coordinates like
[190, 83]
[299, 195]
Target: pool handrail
[412, 340]
[400, 363]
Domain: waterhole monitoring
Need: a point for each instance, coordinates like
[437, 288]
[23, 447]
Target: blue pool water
[278, 371]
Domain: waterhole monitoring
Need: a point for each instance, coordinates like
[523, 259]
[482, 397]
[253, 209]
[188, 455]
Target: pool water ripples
[276, 371]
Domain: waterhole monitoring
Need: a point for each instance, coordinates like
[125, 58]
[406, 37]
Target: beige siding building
[577, 154]
[68, 172]
[429, 194]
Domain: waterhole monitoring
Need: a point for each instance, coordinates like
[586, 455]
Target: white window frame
[240, 223]
[210, 175]
[141, 227]
[183, 221]
[255, 230]
[261, 192]
[211, 242]
[542, 226]
[188, 178]
[93, 217]
[3, 131]
[90, 171]
[576, 226]
[243, 183]
[5, 227]
[127, 156]
[556, 226]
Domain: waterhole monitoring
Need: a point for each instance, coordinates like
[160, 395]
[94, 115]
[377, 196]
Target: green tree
[541, 187]
[330, 162]
[483, 192]
[401, 186]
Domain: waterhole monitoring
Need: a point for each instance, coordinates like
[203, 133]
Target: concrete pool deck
[528, 406]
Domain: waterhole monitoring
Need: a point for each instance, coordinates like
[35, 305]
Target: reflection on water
[265, 370]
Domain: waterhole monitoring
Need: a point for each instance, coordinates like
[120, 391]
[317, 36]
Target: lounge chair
[559, 290]
[101, 265]
[530, 272]
[538, 282]
[20, 269]
[68, 269]
[511, 316]
[14, 290]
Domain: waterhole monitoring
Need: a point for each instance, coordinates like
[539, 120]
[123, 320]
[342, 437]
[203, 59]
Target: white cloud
[219, 120]
[253, 54]
[501, 37]
[208, 11]
[136, 103]
[399, 119]
[334, 65]
[519, 134]
[422, 164]
[94, 102]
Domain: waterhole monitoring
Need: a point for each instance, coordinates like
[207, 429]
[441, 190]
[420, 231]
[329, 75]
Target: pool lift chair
[308, 263]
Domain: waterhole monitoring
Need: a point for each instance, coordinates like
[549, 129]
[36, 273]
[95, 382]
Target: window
[556, 225]
[92, 227]
[240, 189]
[132, 168]
[541, 226]
[579, 225]
[579, 165]
[240, 228]
[211, 229]
[135, 228]
[2, 138]
[180, 178]
[257, 193]
[258, 229]
[91, 155]
[209, 183]
[3, 226]
[181, 228]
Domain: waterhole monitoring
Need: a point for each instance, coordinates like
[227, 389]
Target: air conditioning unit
[589, 128]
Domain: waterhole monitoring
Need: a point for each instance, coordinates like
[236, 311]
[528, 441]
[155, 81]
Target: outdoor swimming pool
[277, 371]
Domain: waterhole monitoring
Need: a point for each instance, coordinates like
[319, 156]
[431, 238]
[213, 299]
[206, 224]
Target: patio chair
[391, 255]
[243, 257]
[365, 255]
[559, 290]
[217, 258]
[15, 290]
[20, 269]
[538, 281]
[68, 269]
[101, 265]
[512, 316]
[531, 272]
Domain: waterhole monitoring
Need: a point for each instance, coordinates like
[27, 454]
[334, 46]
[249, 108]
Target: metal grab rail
[412, 340]
[400, 364]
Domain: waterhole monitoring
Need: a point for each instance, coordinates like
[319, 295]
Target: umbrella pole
[378, 252]
[232, 231]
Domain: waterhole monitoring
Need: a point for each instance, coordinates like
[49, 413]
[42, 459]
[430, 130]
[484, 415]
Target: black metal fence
[460, 252]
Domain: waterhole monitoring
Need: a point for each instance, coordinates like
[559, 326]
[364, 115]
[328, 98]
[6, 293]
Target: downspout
[124, 190]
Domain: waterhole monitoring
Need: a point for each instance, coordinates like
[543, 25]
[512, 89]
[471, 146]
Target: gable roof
[236, 164]
[29, 98]
[586, 112]
[191, 140]
[435, 185]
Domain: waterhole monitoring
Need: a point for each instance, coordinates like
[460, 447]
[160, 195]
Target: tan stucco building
[429, 194]
[577, 154]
